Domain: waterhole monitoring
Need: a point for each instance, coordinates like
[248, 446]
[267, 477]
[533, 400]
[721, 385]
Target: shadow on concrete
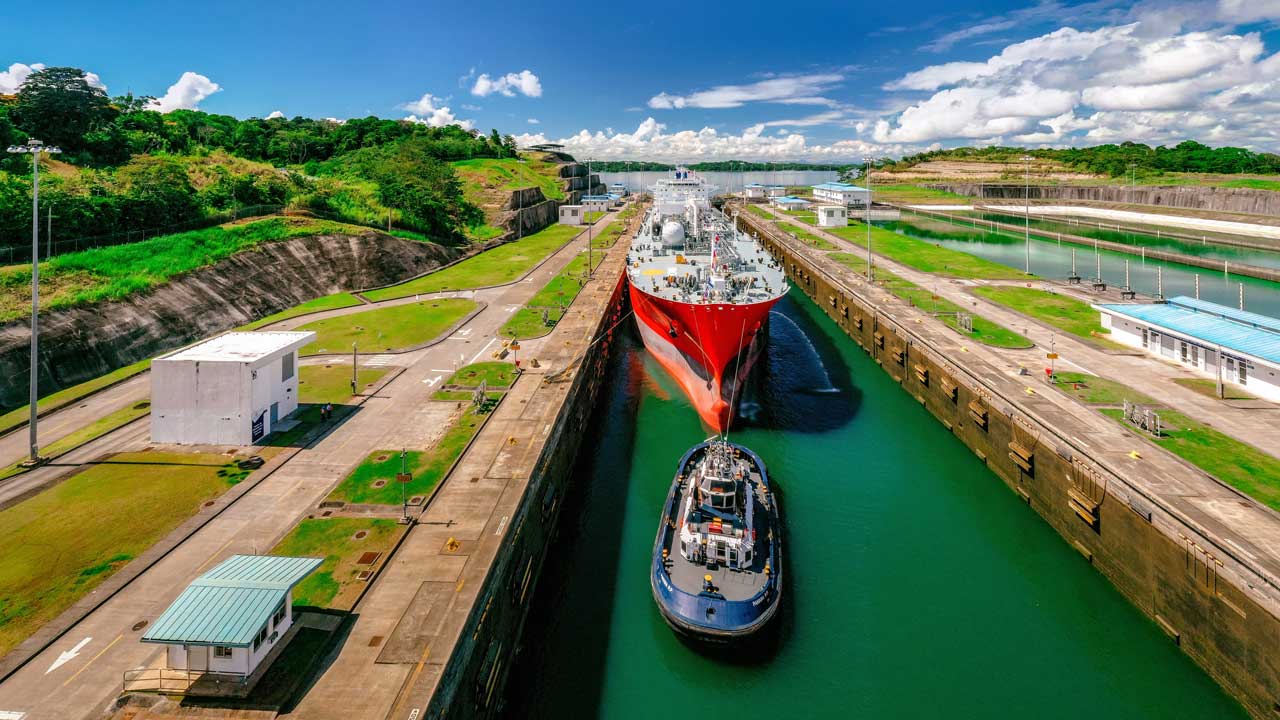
[571, 610]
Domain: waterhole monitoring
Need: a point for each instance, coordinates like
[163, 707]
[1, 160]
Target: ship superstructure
[701, 291]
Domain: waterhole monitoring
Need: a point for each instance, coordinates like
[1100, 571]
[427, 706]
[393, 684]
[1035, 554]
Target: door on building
[1244, 372]
[275, 413]
[1195, 355]
[198, 658]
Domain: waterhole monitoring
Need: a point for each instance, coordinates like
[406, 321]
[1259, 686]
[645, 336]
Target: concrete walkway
[1253, 423]
[84, 684]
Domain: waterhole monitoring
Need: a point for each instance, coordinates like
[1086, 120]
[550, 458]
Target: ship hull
[708, 348]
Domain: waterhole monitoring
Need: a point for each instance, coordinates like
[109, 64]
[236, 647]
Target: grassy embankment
[759, 210]
[916, 195]
[116, 272]
[335, 584]
[1235, 463]
[488, 182]
[1209, 388]
[64, 541]
[805, 236]
[984, 331]
[500, 265]
[495, 375]
[69, 396]
[337, 301]
[1065, 313]
[926, 257]
[559, 292]
[387, 329]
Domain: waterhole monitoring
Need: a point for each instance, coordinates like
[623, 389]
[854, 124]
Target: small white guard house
[230, 619]
[1217, 341]
[833, 216]
[232, 389]
[753, 190]
[571, 214]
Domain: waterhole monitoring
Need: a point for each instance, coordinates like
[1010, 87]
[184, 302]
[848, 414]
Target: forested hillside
[1116, 160]
[128, 168]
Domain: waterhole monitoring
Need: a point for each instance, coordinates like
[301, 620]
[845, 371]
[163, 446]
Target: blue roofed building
[839, 193]
[226, 627]
[787, 202]
[753, 190]
[1234, 346]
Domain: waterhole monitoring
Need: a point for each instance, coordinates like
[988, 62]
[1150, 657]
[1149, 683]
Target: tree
[59, 106]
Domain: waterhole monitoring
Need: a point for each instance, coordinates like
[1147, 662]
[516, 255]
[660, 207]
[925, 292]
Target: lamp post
[868, 160]
[34, 148]
[1026, 198]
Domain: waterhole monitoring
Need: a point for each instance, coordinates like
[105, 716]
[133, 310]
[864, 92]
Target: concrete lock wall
[1177, 584]
[472, 683]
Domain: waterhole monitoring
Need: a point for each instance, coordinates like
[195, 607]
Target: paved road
[62, 422]
[1253, 423]
[84, 684]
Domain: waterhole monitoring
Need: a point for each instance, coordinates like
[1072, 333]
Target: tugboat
[717, 560]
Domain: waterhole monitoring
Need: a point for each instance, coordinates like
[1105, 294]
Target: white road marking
[11, 715]
[1233, 544]
[432, 370]
[501, 524]
[68, 655]
[465, 331]
[377, 361]
[482, 350]
[511, 308]
[432, 382]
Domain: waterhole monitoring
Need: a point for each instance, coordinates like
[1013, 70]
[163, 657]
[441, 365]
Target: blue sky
[815, 81]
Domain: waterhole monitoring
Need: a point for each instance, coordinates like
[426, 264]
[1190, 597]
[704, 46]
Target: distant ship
[717, 560]
[701, 291]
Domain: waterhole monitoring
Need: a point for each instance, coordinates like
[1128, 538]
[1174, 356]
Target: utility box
[233, 389]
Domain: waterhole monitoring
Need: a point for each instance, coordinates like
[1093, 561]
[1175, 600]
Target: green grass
[1252, 183]
[63, 542]
[1065, 313]
[806, 237]
[608, 235]
[493, 374]
[759, 210]
[1096, 390]
[906, 193]
[1237, 464]
[927, 257]
[318, 384]
[463, 395]
[527, 322]
[1209, 388]
[500, 265]
[511, 174]
[116, 272]
[92, 431]
[69, 396]
[428, 468]
[335, 584]
[328, 302]
[594, 215]
[388, 328]
[984, 331]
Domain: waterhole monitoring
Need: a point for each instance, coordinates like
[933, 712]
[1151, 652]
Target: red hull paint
[700, 344]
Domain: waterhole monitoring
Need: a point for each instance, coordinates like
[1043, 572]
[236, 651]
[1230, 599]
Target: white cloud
[1150, 80]
[275, 114]
[534, 121]
[523, 82]
[12, 79]
[651, 141]
[1245, 11]
[789, 90]
[430, 110]
[186, 94]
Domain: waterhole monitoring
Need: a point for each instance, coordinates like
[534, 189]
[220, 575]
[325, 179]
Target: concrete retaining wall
[1181, 585]
[1236, 200]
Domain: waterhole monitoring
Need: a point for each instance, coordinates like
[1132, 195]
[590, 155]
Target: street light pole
[868, 160]
[34, 148]
[1026, 198]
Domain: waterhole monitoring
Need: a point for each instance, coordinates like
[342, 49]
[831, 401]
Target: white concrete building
[753, 190]
[841, 194]
[571, 214]
[227, 624]
[786, 202]
[775, 191]
[596, 203]
[832, 215]
[1216, 341]
[233, 389]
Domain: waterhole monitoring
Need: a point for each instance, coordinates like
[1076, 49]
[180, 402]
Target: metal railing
[185, 682]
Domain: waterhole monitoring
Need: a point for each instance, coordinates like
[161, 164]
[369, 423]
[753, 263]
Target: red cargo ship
[701, 292]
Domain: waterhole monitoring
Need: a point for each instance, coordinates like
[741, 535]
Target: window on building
[278, 617]
[286, 367]
[1146, 340]
[260, 638]
[221, 651]
[1183, 355]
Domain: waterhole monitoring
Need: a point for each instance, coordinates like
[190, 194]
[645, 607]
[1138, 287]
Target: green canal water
[917, 585]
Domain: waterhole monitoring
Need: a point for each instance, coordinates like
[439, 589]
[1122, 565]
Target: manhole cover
[368, 558]
[475, 479]
[209, 503]
[380, 458]
[379, 483]
[375, 641]
[139, 625]
[326, 513]
[361, 535]
[415, 500]
[364, 575]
